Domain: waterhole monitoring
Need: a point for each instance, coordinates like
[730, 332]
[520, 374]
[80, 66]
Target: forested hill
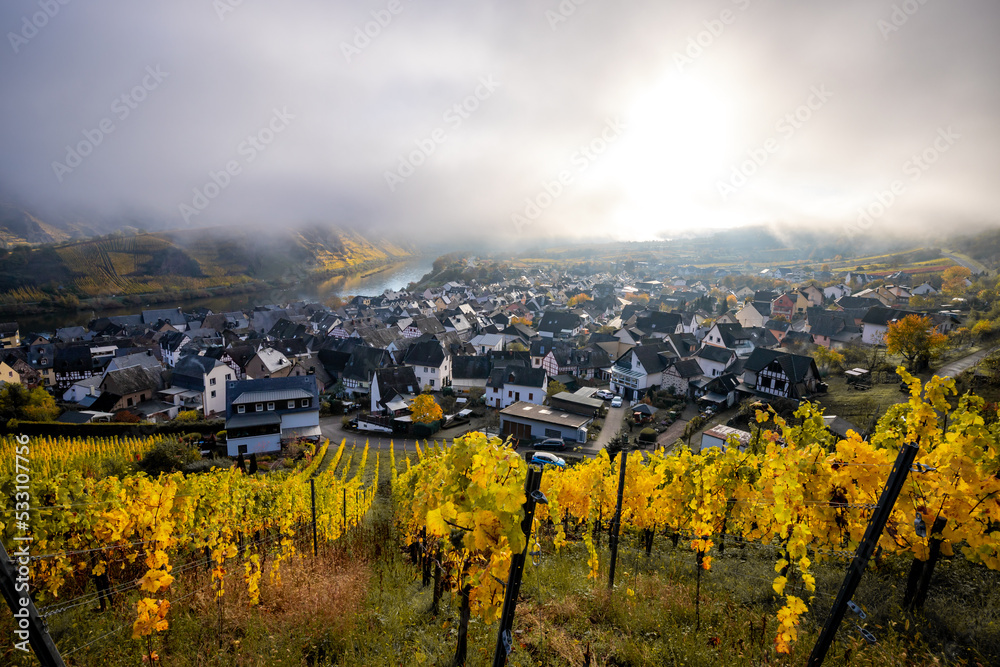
[125, 263]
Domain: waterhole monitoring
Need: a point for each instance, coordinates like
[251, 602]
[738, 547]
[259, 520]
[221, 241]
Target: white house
[207, 375]
[638, 370]
[511, 384]
[430, 363]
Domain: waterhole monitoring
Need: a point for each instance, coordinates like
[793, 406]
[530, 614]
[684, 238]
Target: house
[360, 368]
[542, 352]
[468, 372]
[9, 335]
[146, 359]
[430, 362]
[754, 314]
[15, 370]
[723, 391]
[172, 316]
[207, 376]
[723, 436]
[875, 323]
[731, 337]
[171, 343]
[714, 360]
[784, 306]
[512, 384]
[559, 324]
[579, 402]
[834, 292]
[639, 370]
[262, 413]
[72, 364]
[486, 342]
[132, 385]
[658, 324]
[267, 363]
[770, 373]
[527, 421]
[78, 391]
[680, 374]
[923, 290]
[813, 294]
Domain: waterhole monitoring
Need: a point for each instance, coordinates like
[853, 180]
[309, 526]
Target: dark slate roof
[652, 357]
[877, 315]
[285, 328]
[555, 321]
[852, 302]
[171, 340]
[364, 362]
[795, 366]
[7, 328]
[687, 368]
[400, 379]
[132, 380]
[73, 358]
[169, 315]
[470, 368]
[425, 353]
[190, 371]
[732, 333]
[658, 322]
[714, 353]
[519, 375]
[777, 325]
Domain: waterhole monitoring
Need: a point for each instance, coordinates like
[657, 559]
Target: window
[241, 449]
[425, 369]
[270, 406]
[213, 393]
[130, 401]
[510, 394]
[304, 403]
[259, 407]
[211, 382]
[517, 396]
[531, 397]
[229, 376]
[431, 382]
[291, 404]
[240, 409]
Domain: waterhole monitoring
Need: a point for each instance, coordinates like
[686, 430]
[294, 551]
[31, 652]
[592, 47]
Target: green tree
[19, 402]
[555, 387]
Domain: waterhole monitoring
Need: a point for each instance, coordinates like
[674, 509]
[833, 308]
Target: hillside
[129, 264]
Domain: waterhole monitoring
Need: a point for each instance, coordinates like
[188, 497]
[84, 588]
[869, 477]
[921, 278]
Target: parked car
[604, 395]
[616, 402]
[555, 444]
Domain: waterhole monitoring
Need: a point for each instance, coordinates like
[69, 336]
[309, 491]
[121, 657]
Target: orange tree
[426, 410]
[913, 338]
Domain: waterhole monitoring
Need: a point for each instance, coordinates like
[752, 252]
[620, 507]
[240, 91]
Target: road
[612, 423]
[956, 367]
[967, 262]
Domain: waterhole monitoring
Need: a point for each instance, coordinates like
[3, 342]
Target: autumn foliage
[913, 338]
[426, 410]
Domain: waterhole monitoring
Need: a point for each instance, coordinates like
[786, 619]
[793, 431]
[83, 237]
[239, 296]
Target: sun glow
[678, 139]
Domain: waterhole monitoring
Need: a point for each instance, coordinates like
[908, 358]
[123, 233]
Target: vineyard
[723, 557]
[137, 546]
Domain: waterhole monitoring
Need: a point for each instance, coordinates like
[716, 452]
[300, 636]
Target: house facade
[261, 413]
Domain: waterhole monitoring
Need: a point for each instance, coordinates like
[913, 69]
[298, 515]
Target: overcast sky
[632, 120]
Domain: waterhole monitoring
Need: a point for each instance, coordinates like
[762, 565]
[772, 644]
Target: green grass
[856, 406]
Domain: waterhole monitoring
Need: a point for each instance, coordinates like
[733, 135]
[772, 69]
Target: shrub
[647, 435]
[187, 416]
[169, 456]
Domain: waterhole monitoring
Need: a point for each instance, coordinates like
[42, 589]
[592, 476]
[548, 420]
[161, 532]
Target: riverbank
[320, 287]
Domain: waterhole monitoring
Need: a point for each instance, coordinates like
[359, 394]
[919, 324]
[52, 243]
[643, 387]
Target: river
[395, 276]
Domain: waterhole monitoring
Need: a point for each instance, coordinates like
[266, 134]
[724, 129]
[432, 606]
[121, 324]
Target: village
[652, 355]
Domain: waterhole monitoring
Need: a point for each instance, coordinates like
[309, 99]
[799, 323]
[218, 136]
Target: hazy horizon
[506, 121]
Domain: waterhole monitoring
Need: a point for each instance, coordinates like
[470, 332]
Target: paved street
[612, 422]
[956, 367]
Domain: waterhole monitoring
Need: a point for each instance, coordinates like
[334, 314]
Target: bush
[207, 465]
[169, 456]
[647, 435]
[187, 416]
